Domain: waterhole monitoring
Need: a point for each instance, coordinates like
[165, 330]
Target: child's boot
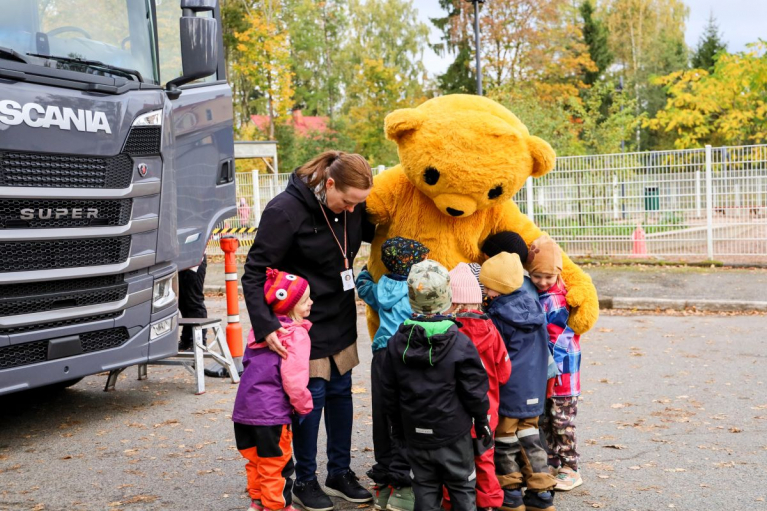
[512, 500]
[401, 499]
[256, 505]
[539, 501]
[567, 479]
[381, 494]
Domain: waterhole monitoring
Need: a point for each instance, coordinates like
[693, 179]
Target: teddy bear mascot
[462, 159]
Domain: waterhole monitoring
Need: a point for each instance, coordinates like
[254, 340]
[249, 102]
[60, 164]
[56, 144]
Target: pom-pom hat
[283, 290]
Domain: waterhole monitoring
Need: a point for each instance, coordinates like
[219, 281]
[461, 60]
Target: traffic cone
[640, 243]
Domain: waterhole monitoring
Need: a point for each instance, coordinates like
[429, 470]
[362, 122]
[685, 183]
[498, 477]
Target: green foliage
[460, 77]
[709, 47]
[595, 35]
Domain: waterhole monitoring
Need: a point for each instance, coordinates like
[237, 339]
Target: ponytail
[348, 170]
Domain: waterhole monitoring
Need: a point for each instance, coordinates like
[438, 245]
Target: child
[434, 385]
[521, 322]
[545, 266]
[270, 391]
[467, 300]
[512, 243]
[389, 299]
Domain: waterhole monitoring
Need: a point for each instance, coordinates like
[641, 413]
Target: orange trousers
[270, 462]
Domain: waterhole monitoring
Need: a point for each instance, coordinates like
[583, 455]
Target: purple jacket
[272, 388]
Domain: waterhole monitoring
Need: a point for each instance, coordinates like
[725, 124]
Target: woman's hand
[273, 341]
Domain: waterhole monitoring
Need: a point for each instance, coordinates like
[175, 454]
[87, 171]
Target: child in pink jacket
[271, 391]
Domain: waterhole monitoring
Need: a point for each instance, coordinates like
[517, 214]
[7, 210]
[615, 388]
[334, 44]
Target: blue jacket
[389, 299]
[522, 323]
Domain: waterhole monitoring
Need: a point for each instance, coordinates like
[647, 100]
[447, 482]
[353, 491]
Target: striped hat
[283, 290]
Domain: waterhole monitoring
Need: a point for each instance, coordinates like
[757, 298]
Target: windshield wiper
[12, 55]
[93, 63]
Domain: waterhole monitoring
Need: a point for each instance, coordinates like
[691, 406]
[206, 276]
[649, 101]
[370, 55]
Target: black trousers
[451, 466]
[191, 300]
[391, 467]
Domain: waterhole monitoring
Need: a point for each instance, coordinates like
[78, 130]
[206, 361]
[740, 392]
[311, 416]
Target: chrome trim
[134, 190]
[76, 312]
[132, 263]
[132, 227]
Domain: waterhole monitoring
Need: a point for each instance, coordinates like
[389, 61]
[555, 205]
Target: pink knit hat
[465, 285]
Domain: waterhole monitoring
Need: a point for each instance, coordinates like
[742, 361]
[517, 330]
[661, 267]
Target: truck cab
[116, 162]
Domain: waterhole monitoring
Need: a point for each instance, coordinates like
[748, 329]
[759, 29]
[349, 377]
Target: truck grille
[99, 213]
[33, 352]
[56, 324]
[65, 171]
[143, 141]
[26, 299]
[44, 255]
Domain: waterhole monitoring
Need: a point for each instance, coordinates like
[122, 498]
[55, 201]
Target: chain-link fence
[696, 204]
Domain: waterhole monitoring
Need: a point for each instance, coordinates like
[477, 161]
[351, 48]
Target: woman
[314, 229]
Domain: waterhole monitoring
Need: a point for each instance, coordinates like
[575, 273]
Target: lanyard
[342, 249]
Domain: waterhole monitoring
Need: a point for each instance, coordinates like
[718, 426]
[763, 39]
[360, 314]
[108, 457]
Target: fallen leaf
[620, 405]
[603, 476]
[635, 467]
[359, 390]
[605, 330]
[67, 457]
[614, 446]
[735, 430]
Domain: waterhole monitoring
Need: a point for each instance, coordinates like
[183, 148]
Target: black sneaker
[347, 487]
[543, 501]
[310, 496]
[512, 501]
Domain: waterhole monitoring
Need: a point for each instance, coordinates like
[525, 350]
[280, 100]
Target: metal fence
[696, 204]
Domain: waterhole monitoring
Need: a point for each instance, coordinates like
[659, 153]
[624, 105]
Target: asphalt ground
[673, 416]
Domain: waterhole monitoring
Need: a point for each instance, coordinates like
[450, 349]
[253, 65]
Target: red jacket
[492, 351]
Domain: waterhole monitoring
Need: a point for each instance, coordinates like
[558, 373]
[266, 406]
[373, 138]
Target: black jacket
[433, 384]
[293, 236]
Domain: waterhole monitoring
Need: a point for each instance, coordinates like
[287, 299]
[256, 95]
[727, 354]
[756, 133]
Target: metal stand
[192, 360]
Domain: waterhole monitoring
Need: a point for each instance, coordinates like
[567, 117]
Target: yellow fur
[476, 145]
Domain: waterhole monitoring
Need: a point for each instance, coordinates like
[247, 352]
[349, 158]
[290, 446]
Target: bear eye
[495, 192]
[431, 176]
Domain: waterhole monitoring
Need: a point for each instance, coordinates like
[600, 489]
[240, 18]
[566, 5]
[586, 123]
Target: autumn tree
[725, 107]
[709, 46]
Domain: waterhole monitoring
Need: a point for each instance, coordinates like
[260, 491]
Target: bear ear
[543, 156]
[401, 122]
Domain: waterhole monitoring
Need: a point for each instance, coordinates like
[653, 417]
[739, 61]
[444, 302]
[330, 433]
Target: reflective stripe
[473, 476]
[234, 318]
[231, 276]
[507, 439]
[522, 433]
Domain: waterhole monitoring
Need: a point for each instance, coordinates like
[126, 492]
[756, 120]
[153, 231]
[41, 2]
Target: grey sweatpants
[451, 466]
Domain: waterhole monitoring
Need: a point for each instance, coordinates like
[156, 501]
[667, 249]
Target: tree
[460, 76]
[595, 35]
[709, 46]
[605, 119]
[725, 107]
[264, 58]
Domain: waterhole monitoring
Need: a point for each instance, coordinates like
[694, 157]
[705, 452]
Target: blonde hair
[458, 307]
[348, 170]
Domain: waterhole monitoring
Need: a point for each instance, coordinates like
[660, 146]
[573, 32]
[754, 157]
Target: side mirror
[199, 44]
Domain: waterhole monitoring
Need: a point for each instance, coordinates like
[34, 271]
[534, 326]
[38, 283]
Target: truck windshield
[101, 37]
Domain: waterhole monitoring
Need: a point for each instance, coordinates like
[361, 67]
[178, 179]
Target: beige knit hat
[544, 256]
[502, 273]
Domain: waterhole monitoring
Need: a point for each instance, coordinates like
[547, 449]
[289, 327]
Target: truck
[116, 163]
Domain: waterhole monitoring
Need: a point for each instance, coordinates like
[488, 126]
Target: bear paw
[585, 307]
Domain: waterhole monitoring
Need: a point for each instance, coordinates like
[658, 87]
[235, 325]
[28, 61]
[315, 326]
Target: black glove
[482, 429]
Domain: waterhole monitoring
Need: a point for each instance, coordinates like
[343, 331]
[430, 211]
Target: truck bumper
[138, 349]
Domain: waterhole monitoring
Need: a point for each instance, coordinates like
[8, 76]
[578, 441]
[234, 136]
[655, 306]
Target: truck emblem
[142, 169]
[49, 213]
[37, 116]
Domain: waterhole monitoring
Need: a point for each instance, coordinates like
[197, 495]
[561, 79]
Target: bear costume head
[449, 150]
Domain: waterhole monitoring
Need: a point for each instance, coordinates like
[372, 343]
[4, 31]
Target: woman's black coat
[293, 236]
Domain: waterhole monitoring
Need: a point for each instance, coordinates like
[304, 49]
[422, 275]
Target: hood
[291, 326]
[479, 328]
[425, 343]
[298, 189]
[390, 292]
[518, 309]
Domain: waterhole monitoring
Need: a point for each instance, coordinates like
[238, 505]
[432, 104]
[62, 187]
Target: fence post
[530, 201]
[709, 206]
[616, 212]
[256, 198]
[697, 193]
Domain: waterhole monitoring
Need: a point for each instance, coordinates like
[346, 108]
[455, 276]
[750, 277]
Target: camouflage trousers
[559, 428]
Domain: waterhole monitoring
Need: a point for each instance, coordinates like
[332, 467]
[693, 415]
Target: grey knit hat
[428, 288]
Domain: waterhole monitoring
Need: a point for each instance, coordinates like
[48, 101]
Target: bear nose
[454, 212]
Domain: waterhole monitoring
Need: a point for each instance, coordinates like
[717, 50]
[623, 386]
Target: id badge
[347, 277]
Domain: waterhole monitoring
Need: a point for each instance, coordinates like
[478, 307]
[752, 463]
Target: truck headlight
[162, 327]
[164, 292]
